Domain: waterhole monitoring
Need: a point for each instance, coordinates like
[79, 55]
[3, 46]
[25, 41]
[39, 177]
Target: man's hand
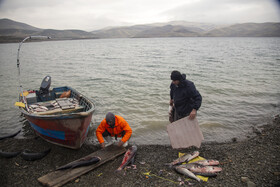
[171, 102]
[120, 143]
[102, 145]
[192, 114]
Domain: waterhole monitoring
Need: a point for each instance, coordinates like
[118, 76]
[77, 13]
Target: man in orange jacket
[113, 126]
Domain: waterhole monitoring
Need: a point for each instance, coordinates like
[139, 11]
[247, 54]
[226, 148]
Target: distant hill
[65, 34]
[10, 25]
[169, 29]
[189, 29]
[12, 31]
[247, 30]
[120, 32]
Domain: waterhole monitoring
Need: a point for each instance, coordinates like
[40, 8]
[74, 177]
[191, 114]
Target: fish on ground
[129, 157]
[10, 135]
[9, 154]
[83, 162]
[207, 162]
[184, 158]
[186, 172]
[31, 156]
[198, 168]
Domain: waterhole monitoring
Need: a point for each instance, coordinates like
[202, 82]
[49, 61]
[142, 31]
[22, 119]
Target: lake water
[238, 79]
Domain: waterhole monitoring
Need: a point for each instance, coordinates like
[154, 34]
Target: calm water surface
[238, 79]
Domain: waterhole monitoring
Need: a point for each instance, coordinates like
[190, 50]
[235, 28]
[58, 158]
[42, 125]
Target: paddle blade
[25, 93]
[20, 104]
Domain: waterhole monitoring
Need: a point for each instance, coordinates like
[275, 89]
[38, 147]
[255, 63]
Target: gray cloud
[95, 14]
[227, 11]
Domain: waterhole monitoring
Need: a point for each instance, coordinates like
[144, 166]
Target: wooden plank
[61, 177]
[184, 133]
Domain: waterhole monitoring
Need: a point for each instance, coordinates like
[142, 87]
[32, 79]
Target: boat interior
[59, 100]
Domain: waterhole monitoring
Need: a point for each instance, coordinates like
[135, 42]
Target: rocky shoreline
[253, 162]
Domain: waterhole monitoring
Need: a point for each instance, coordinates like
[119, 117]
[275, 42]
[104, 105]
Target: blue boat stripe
[87, 129]
[49, 133]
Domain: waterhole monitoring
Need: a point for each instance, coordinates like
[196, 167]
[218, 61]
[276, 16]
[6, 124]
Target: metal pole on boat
[18, 63]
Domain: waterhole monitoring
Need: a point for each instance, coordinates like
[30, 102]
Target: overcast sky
[95, 14]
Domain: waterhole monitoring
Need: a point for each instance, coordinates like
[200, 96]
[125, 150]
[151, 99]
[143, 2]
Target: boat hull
[61, 126]
[66, 131]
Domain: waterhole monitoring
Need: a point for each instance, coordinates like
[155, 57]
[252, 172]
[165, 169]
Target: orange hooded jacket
[120, 125]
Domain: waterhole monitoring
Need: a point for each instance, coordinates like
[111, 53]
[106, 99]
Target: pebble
[244, 179]
[247, 180]
[251, 184]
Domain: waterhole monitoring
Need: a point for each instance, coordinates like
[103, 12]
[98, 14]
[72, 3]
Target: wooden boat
[62, 121]
[60, 115]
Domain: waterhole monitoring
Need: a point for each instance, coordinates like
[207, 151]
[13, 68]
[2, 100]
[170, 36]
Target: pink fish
[197, 168]
[128, 157]
[186, 172]
[207, 162]
[185, 158]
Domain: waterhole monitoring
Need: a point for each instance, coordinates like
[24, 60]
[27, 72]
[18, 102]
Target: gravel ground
[256, 159]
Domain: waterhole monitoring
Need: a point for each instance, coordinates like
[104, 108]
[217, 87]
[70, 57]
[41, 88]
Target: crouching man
[113, 126]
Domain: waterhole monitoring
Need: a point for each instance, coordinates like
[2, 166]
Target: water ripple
[238, 79]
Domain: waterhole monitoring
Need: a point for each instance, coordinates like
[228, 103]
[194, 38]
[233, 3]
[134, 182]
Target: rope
[149, 174]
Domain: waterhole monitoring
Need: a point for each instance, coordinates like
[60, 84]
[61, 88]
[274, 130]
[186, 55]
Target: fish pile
[43, 107]
[206, 168]
[63, 103]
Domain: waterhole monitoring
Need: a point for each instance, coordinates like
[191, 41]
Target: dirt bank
[257, 158]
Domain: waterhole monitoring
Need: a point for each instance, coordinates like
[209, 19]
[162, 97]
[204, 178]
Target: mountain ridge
[13, 31]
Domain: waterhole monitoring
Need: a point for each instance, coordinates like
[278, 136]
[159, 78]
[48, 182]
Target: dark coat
[186, 97]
